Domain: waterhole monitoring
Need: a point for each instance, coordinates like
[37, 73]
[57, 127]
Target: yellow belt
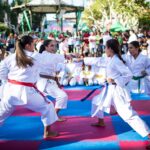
[99, 76]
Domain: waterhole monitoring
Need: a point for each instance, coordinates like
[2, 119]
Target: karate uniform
[88, 74]
[118, 95]
[75, 70]
[137, 66]
[49, 67]
[64, 75]
[15, 94]
[98, 68]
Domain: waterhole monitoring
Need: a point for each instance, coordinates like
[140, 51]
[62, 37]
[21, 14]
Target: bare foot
[61, 119]
[50, 134]
[98, 124]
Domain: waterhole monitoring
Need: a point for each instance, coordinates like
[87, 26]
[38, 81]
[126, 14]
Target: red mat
[80, 129]
[19, 145]
[142, 107]
[133, 145]
[21, 111]
[79, 94]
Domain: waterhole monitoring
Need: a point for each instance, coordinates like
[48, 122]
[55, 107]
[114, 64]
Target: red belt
[29, 85]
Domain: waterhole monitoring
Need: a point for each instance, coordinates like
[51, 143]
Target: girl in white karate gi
[88, 72]
[76, 69]
[63, 75]
[140, 67]
[87, 75]
[21, 71]
[100, 70]
[115, 92]
[48, 81]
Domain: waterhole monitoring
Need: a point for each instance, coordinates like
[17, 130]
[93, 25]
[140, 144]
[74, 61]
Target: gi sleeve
[125, 74]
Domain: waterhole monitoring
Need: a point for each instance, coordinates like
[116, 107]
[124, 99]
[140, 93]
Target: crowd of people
[38, 65]
[87, 43]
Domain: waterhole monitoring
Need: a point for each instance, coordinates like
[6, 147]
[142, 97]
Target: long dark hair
[136, 44]
[45, 44]
[21, 58]
[114, 45]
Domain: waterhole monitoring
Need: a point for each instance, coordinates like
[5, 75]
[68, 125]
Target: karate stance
[21, 71]
[115, 92]
[48, 81]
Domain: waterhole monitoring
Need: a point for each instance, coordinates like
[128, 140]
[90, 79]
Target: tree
[103, 13]
[1, 12]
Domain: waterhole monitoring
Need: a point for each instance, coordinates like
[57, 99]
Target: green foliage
[1, 12]
[144, 22]
[4, 28]
[126, 12]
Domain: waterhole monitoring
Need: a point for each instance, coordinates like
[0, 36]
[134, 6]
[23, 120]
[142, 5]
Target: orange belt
[28, 84]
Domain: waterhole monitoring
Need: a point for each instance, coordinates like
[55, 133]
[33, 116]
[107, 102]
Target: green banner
[22, 24]
[27, 20]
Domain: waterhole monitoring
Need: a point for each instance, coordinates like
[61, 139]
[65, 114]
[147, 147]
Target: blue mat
[109, 145]
[30, 128]
[78, 108]
[141, 96]
[82, 87]
[125, 132]
[22, 128]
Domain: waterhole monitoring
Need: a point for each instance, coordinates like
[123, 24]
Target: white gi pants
[35, 103]
[74, 81]
[61, 97]
[126, 112]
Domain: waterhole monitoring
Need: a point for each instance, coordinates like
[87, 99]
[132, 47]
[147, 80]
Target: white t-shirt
[106, 38]
[92, 41]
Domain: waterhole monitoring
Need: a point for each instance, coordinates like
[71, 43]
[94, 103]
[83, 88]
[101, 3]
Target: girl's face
[30, 47]
[133, 50]
[51, 47]
[109, 51]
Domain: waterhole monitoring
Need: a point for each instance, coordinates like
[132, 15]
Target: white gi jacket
[18, 94]
[136, 66]
[120, 73]
[50, 63]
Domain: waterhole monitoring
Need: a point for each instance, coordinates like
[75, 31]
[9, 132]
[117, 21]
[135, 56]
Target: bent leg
[6, 110]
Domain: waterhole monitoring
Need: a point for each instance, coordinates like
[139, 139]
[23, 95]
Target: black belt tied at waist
[51, 77]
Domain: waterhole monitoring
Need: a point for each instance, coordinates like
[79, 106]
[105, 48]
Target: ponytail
[22, 59]
[42, 48]
[114, 45]
[119, 56]
[45, 44]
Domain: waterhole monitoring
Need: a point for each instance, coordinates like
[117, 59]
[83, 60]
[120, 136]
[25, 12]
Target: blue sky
[10, 1]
